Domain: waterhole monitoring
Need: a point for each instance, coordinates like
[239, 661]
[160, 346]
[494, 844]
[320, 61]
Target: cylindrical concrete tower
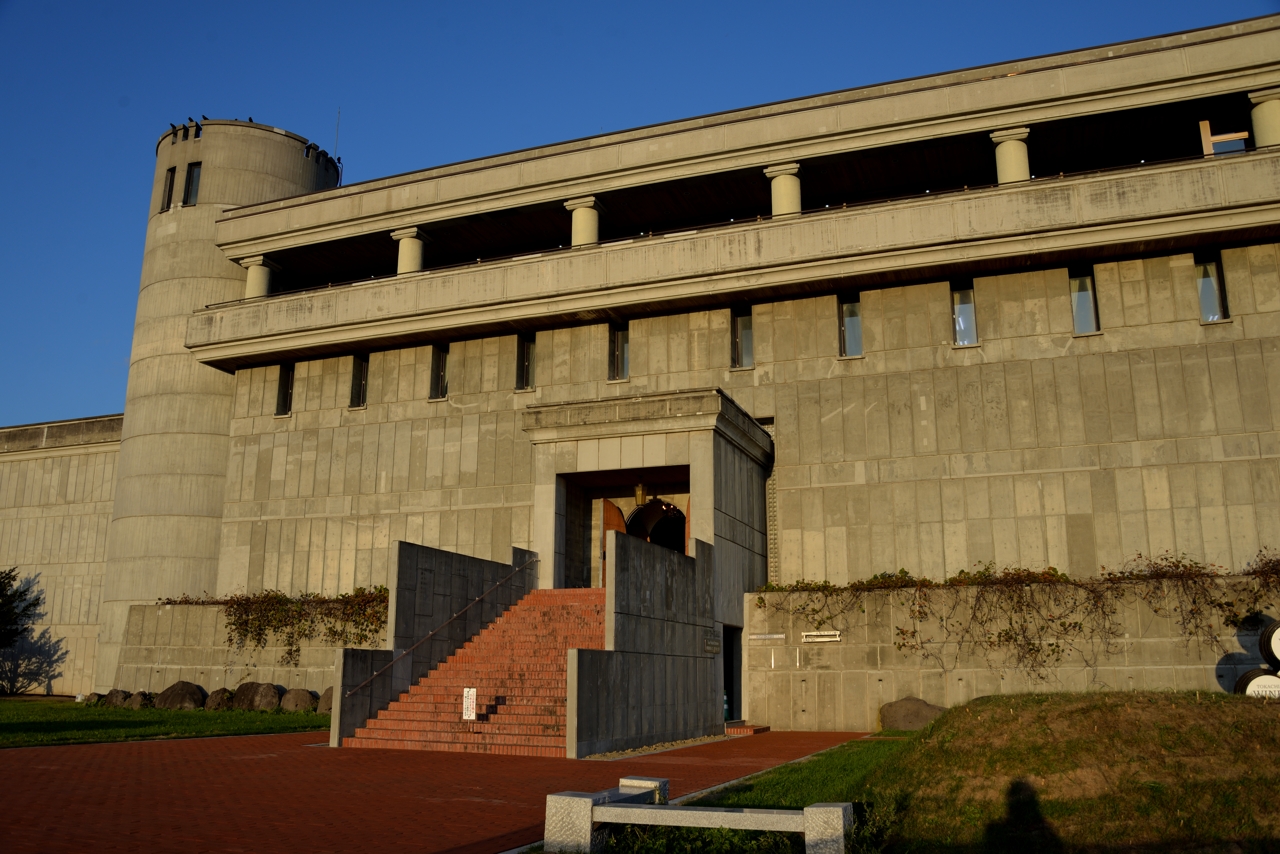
[170, 479]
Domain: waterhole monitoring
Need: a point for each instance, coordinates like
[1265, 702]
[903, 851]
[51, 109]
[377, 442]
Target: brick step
[494, 686]
[414, 728]
[503, 713]
[453, 705]
[496, 750]
[465, 738]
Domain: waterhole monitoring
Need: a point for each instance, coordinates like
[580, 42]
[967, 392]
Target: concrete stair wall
[517, 666]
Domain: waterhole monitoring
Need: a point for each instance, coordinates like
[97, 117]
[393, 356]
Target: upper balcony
[1211, 199]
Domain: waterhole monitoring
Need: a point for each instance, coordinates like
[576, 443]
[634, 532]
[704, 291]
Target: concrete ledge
[785, 821]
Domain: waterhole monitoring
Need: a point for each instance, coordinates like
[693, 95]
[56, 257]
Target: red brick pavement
[275, 793]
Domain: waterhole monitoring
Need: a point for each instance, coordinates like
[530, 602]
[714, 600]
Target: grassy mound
[1097, 772]
[30, 722]
[1089, 772]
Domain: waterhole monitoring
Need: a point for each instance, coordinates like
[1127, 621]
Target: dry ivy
[1032, 619]
[353, 618]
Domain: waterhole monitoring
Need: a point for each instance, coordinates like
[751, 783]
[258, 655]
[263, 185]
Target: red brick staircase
[517, 666]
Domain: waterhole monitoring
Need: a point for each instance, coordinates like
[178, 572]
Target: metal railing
[438, 628]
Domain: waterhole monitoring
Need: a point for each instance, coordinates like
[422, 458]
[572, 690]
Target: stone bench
[573, 817]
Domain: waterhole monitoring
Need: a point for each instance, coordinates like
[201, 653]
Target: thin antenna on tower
[336, 128]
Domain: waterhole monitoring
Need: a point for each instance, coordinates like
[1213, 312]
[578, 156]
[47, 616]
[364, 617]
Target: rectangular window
[1084, 300]
[284, 390]
[744, 353]
[439, 371]
[619, 351]
[850, 326]
[1213, 297]
[359, 380]
[962, 313]
[524, 360]
[166, 198]
[191, 192]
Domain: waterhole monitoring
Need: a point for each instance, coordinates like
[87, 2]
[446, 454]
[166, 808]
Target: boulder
[181, 696]
[266, 698]
[909, 713]
[325, 705]
[140, 700]
[116, 698]
[219, 701]
[92, 699]
[298, 700]
[242, 701]
[256, 697]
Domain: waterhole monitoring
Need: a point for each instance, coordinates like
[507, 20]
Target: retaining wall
[840, 686]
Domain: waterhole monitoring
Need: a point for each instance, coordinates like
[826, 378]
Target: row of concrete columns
[1012, 166]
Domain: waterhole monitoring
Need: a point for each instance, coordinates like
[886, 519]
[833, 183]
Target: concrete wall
[166, 643]
[430, 587]
[792, 685]
[57, 484]
[1036, 447]
[659, 676]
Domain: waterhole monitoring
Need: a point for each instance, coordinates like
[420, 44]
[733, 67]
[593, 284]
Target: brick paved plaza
[282, 793]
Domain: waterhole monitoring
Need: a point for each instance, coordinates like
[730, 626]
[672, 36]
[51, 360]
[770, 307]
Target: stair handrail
[433, 632]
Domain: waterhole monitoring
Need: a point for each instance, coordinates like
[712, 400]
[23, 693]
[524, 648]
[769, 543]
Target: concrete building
[1026, 313]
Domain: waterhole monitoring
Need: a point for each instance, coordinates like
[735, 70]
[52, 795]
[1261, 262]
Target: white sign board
[468, 704]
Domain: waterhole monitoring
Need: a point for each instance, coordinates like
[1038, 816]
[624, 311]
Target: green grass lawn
[31, 722]
[1100, 772]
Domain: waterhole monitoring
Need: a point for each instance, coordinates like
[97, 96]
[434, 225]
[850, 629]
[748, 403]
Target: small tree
[27, 659]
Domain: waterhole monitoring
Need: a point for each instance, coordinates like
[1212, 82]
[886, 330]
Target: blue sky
[86, 89]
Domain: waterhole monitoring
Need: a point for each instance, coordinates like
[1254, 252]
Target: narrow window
[166, 200]
[1213, 299]
[524, 360]
[962, 313]
[186, 133]
[191, 191]
[439, 371]
[199, 130]
[284, 390]
[359, 380]
[744, 353]
[850, 326]
[1084, 300]
[619, 351]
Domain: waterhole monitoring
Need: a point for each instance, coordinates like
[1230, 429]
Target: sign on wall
[468, 704]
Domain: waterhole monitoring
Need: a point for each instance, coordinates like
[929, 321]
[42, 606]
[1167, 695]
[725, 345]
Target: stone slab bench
[574, 818]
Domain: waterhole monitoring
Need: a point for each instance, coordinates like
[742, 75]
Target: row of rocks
[248, 697]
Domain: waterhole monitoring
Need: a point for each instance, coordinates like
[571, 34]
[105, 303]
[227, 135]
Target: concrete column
[1012, 164]
[784, 182]
[411, 241]
[258, 284]
[1266, 117]
[586, 221]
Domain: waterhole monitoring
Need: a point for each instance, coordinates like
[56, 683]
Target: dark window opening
[1131, 137]
[199, 130]
[166, 198]
[1209, 283]
[186, 133]
[191, 191]
[284, 390]
[359, 380]
[851, 326]
[744, 355]
[1084, 300]
[439, 371]
[619, 351]
[525, 360]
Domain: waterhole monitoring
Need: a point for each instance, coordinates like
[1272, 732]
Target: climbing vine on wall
[1032, 619]
[354, 618]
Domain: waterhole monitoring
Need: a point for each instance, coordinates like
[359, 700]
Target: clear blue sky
[86, 89]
